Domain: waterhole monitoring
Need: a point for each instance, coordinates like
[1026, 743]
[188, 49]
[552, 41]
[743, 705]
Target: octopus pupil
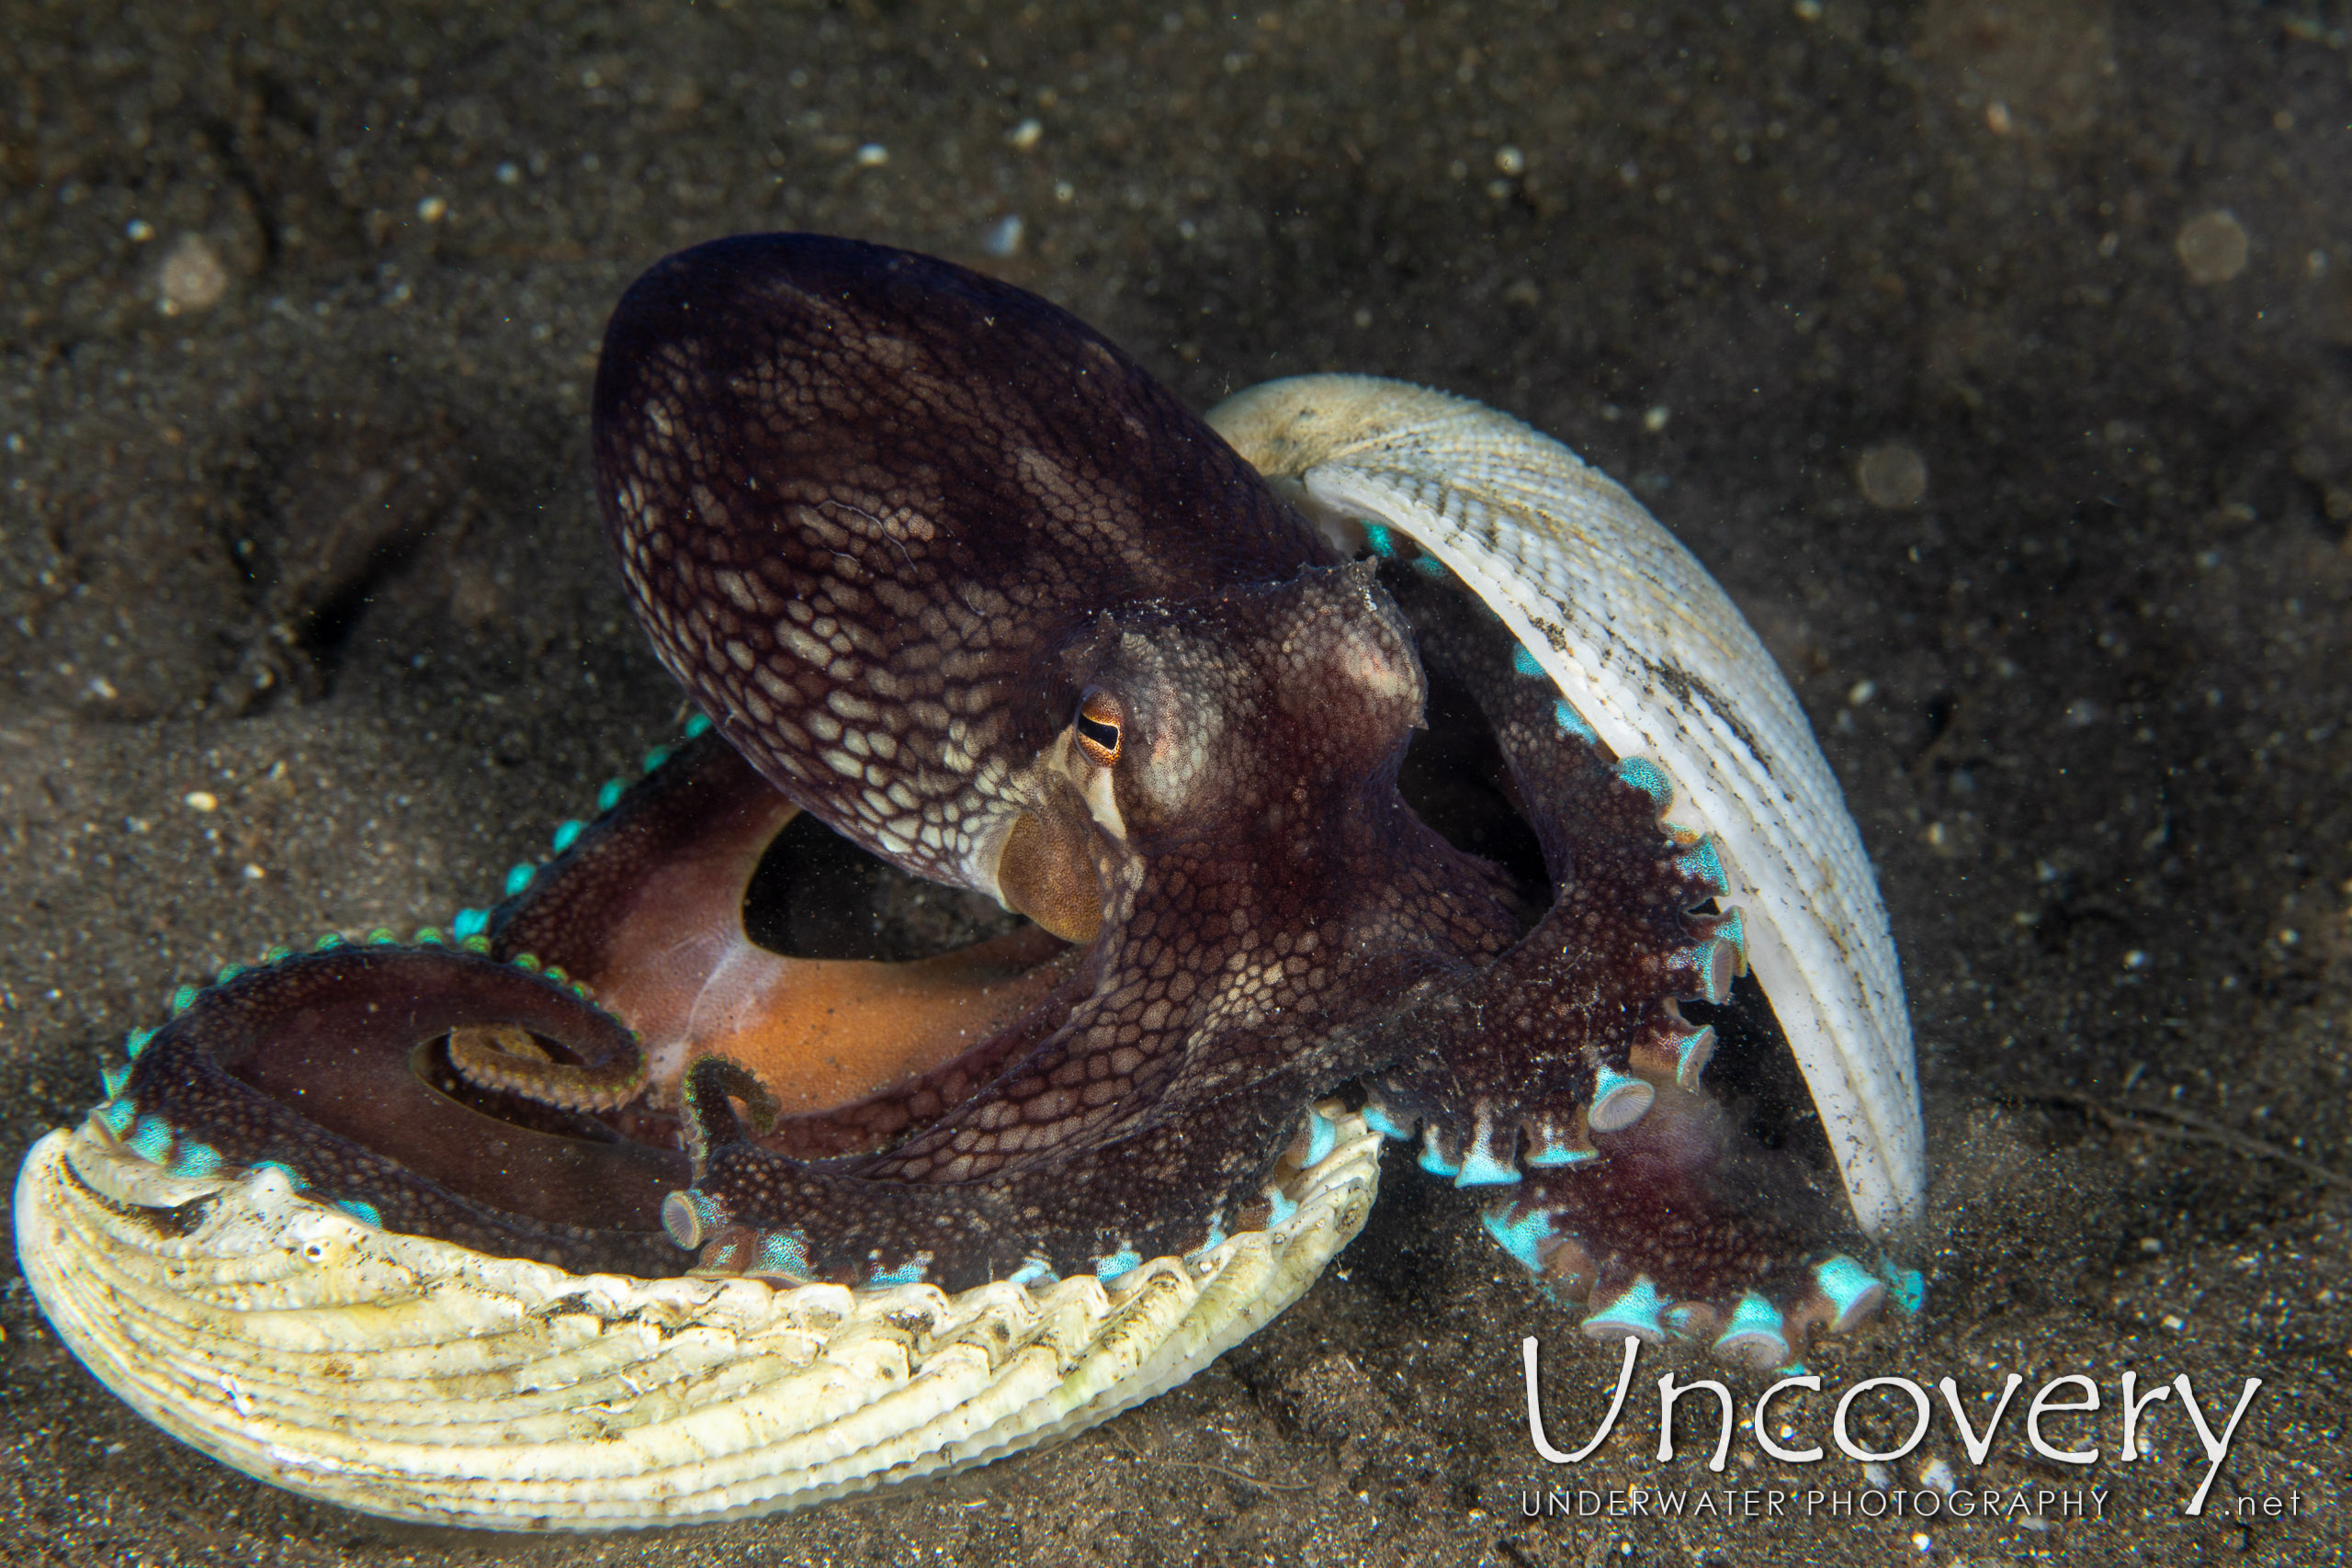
[1105, 736]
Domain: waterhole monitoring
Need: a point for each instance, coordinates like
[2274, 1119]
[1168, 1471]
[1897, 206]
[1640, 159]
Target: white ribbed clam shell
[410, 1378]
[1658, 660]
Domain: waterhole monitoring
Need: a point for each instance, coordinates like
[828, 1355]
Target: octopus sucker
[1356, 766]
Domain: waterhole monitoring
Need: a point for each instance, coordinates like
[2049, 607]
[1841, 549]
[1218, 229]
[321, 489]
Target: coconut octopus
[594, 1211]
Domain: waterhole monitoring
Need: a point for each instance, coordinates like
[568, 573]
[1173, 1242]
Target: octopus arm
[1157, 1188]
[323, 1063]
[1572, 1028]
[1654, 657]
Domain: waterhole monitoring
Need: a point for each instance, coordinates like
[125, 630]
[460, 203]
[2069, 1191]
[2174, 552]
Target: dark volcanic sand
[301, 304]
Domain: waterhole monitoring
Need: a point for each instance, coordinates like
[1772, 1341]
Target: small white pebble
[140, 231]
[1003, 236]
[1025, 135]
[508, 173]
[1893, 475]
[2135, 959]
[1510, 160]
[1936, 1477]
[2212, 247]
[193, 278]
[433, 209]
[1997, 118]
[2173, 1321]
[1861, 691]
[253, 873]
[873, 155]
[201, 800]
[1654, 419]
[2150, 1244]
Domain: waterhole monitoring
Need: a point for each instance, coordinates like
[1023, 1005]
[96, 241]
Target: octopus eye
[1099, 719]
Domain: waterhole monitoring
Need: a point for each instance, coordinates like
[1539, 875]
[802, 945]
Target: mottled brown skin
[1272, 891]
[862, 498]
[1595, 980]
[1681, 1196]
[949, 571]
